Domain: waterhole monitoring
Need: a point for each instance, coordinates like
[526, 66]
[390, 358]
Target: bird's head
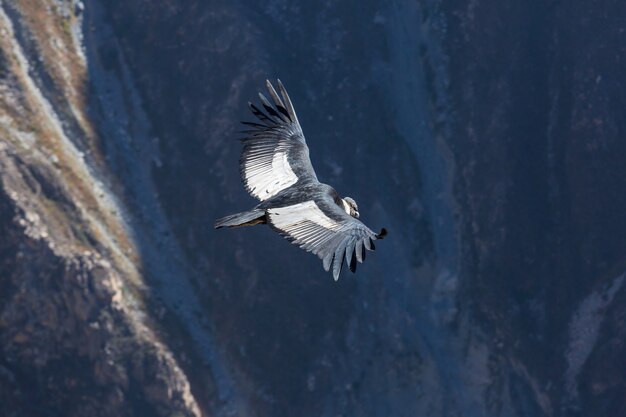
[349, 205]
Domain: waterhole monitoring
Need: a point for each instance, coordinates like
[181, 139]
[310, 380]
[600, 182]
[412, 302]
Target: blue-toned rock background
[488, 137]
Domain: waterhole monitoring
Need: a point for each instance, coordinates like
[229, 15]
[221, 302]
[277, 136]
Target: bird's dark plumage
[276, 169]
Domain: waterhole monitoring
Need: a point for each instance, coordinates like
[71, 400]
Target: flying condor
[276, 169]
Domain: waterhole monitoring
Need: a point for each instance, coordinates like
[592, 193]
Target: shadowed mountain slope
[487, 137]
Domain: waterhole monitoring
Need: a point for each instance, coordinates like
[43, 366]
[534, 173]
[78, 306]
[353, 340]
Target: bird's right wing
[275, 155]
[325, 229]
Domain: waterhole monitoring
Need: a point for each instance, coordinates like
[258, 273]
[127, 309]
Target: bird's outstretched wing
[275, 155]
[322, 227]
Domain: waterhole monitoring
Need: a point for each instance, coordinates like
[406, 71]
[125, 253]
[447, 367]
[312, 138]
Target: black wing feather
[275, 155]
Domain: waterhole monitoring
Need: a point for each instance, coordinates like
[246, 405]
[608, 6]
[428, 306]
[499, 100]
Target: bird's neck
[346, 206]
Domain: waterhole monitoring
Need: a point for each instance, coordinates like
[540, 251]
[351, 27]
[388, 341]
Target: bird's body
[295, 194]
[276, 169]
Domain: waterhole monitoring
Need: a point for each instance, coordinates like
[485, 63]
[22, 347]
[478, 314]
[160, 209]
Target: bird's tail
[247, 218]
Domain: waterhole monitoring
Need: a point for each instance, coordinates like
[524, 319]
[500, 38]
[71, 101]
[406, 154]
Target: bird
[276, 169]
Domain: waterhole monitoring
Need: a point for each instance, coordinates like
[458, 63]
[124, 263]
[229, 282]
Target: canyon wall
[487, 137]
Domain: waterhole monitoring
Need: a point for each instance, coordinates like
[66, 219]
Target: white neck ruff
[346, 206]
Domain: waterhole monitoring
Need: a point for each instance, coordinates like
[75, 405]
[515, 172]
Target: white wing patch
[265, 177]
[333, 241]
[290, 218]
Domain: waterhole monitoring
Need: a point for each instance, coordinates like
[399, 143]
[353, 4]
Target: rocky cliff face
[487, 137]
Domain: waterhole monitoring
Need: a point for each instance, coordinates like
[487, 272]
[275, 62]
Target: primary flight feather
[276, 169]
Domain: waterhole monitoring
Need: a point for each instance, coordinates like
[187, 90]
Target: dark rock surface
[487, 136]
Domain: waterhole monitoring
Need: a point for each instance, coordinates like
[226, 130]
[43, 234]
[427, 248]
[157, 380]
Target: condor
[276, 169]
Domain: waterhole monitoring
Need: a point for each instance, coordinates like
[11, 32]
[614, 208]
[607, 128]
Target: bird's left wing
[322, 227]
[275, 155]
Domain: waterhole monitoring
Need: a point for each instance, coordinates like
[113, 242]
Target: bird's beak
[356, 214]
